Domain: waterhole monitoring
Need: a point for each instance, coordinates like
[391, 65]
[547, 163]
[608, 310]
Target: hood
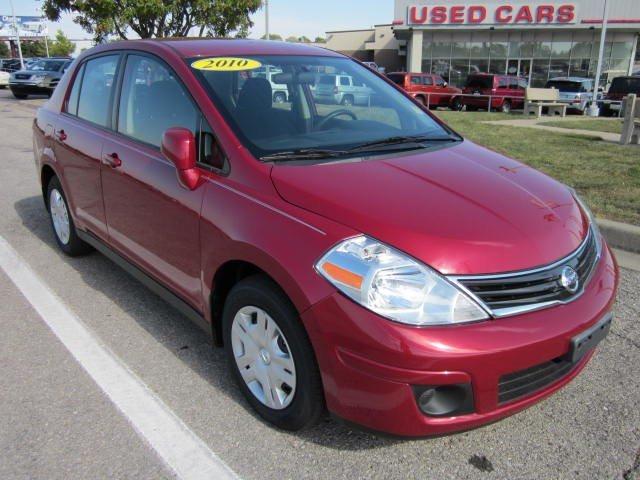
[462, 209]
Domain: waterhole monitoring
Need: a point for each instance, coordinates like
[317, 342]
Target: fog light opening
[445, 400]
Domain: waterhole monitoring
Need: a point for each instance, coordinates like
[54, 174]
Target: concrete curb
[620, 235]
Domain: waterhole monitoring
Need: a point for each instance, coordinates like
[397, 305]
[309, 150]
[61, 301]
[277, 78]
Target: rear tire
[64, 229]
[506, 107]
[347, 100]
[421, 100]
[19, 96]
[257, 301]
[472, 108]
[279, 97]
[456, 105]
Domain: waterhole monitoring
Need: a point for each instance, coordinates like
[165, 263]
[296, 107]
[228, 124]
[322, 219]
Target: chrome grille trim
[578, 257]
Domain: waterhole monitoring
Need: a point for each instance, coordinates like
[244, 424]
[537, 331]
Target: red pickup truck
[428, 89]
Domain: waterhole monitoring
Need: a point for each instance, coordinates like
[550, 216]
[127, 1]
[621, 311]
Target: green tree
[304, 39]
[320, 40]
[156, 18]
[61, 46]
[4, 50]
[292, 39]
[272, 36]
[33, 48]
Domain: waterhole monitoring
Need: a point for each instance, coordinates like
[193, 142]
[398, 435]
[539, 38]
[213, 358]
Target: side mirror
[445, 84]
[179, 146]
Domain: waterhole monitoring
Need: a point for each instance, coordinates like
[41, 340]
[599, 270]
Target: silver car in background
[576, 92]
[341, 89]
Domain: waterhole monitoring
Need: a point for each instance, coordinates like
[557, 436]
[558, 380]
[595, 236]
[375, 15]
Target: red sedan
[362, 259]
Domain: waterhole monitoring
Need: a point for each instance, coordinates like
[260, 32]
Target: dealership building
[537, 40]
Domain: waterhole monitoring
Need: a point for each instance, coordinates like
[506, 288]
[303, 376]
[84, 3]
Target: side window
[72, 103]
[152, 100]
[97, 83]
[416, 81]
[503, 82]
[344, 81]
[428, 80]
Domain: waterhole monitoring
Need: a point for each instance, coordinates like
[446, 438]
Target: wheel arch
[46, 174]
[229, 273]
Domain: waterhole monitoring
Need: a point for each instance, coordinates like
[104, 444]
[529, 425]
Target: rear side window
[152, 100]
[95, 93]
[416, 80]
[397, 79]
[480, 81]
[625, 85]
[72, 103]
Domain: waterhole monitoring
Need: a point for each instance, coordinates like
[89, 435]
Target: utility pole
[266, 19]
[603, 36]
[15, 27]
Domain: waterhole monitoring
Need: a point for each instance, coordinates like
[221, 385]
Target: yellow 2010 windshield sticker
[226, 64]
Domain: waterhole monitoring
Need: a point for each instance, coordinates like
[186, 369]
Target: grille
[23, 76]
[516, 292]
[518, 384]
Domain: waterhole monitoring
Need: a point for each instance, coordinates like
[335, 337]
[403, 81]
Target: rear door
[151, 219]
[79, 132]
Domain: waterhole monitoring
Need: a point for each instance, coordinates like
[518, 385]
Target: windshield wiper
[303, 154]
[400, 140]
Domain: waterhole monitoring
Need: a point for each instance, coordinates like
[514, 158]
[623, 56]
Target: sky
[286, 17]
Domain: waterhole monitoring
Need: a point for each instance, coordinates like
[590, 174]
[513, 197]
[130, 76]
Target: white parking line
[181, 449]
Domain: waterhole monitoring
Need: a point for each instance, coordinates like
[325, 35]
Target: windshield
[47, 65]
[314, 103]
[625, 85]
[567, 86]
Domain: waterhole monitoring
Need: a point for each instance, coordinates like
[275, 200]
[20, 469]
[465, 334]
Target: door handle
[112, 160]
[61, 135]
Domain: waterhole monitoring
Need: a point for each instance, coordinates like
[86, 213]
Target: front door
[151, 219]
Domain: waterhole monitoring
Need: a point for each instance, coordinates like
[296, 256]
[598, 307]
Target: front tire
[63, 227]
[270, 355]
[347, 101]
[506, 107]
[19, 96]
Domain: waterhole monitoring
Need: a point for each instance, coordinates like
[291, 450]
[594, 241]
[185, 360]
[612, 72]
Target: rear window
[625, 85]
[327, 80]
[480, 81]
[566, 86]
[397, 79]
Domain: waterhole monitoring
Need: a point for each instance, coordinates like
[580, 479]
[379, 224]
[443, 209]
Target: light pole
[46, 34]
[15, 27]
[594, 110]
[266, 19]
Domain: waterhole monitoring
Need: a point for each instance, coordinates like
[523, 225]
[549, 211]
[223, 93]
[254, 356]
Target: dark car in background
[620, 87]
[502, 92]
[428, 88]
[576, 92]
[40, 78]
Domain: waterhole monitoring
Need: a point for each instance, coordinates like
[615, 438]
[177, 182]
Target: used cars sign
[491, 13]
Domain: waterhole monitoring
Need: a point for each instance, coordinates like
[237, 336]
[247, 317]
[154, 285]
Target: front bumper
[370, 365]
[29, 87]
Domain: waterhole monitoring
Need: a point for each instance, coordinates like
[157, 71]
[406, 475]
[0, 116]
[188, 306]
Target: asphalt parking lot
[56, 422]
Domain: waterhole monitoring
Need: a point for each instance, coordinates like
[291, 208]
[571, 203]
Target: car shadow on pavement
[177, 334]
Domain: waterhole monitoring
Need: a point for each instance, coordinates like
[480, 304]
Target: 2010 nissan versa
[359, 257]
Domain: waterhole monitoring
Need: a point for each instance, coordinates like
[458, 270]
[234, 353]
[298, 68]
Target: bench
[538, 98]
[631, 128]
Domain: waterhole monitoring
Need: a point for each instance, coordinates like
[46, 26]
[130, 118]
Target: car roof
[570, 79]
[202, 47]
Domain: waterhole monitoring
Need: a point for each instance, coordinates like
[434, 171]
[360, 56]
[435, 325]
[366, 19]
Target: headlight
[394, 285]
[593, 224]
